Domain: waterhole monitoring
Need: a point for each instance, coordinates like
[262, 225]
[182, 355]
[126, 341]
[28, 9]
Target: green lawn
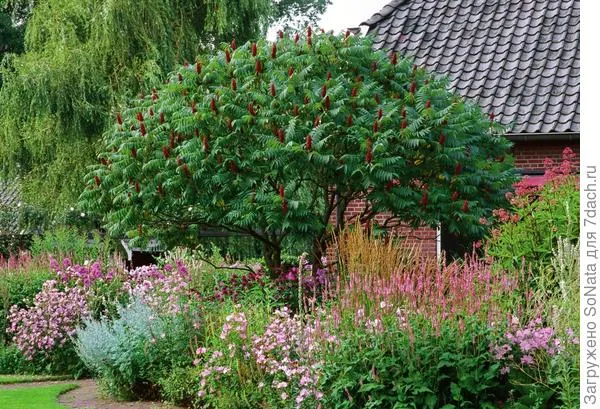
[41, 397]
[4, 379]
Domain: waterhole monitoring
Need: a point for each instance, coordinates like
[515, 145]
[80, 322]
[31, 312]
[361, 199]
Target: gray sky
[342, 14]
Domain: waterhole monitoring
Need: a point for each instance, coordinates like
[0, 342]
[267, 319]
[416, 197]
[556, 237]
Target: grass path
[35, 397]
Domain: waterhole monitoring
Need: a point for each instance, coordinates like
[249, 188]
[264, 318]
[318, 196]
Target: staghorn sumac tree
[272, 139]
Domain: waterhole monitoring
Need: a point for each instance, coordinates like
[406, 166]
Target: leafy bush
[46, 327]
[132, 353]
[68, 242]
[271, 139]
[21, 278]
[406, 362]
[529, 231]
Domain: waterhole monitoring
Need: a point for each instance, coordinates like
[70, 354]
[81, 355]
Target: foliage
[262, 359]
[21, 278]
[46, 327]
[134, 351]
[5, 379]
[82, 59]
[529, 231]
[532, 356]
[408, 363]
[11, 36]
[63, 242]
[270, 139]
[296, 14]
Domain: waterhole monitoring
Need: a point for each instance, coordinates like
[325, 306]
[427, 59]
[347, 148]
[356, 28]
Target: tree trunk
[272, 254]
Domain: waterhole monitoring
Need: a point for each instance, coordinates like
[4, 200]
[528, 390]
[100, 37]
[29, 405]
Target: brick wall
[423, 237]
[529, 156]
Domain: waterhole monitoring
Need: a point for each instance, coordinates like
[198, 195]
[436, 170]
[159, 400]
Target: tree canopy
[270, 139]
[84, 57]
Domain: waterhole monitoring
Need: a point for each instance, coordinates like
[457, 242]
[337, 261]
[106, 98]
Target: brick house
[518, 59]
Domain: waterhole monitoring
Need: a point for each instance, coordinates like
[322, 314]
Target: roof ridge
[384, 12]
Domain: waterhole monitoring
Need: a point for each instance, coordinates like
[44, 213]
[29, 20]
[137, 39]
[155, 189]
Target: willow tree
[271, 139]
[82, 58]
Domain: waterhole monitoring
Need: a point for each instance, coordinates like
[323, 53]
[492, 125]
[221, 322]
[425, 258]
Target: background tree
[11, 35]
[271, 139]
[83, 57]
[294, 14]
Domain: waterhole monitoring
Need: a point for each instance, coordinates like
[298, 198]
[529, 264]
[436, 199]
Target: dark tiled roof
[519, 59]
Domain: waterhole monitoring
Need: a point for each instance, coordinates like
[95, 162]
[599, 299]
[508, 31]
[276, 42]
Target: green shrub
[133, 352]
[69, 242]
[529, 231]
[18, 287]
[180, 386]
[12, 361]
[414, 367]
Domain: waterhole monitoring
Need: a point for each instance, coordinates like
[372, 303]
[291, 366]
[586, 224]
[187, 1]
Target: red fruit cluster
[454, 196]
[465, 206]
[251, 109]
[273, 91]
[349, 120]
[166, 152]
[254, 50]
[137, 186]
[134, 152]
[327, 103]
[179, 77]
[143, 129]
[369, 155]
[274, 50]
[323, 91]
[186, 170]
[424, 199]
[458, 169]
[205, 143]
[394, 58]
[290, 71]
[281, 192]
[119, 118]
[233, 44]
[442, 139]
[413, 87]
[280, 135]
[227, 56]
[308, 142]
[139, 117]
[213, 105]
[97, 179]
[193, 107]
[198, 68]
[233, 84]
[258, 67]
